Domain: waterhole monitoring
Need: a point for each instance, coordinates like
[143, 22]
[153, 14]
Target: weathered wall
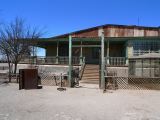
[130, 51]
[114, 31]
[51, 50]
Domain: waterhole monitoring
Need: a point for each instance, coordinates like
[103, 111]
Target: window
[143, 47]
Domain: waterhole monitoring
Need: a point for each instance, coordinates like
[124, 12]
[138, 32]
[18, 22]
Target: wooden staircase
[90, 74]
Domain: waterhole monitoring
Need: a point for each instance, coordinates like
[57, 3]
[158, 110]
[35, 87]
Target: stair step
[90, 82]
[90, 77]
[90, 74]
[91, 68]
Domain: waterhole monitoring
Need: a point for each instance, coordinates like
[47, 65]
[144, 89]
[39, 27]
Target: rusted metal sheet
[129, 32]
[88, 33]
[115, 31]
[151, 33]
[28, 79]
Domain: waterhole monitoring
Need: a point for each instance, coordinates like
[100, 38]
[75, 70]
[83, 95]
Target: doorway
[92, 55]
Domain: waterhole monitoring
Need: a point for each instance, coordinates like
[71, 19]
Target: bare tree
[16, 41]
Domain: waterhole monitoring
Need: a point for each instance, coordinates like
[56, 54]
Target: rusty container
[28, 79]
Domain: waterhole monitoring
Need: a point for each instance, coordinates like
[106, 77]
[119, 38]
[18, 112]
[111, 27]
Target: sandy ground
[77, 104]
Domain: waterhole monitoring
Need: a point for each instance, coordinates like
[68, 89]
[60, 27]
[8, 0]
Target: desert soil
[85, 103]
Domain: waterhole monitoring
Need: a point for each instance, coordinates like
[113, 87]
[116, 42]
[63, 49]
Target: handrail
[82, 68]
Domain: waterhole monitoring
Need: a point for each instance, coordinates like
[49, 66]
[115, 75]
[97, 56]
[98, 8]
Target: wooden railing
[116, 61]
[141, 52]
[50, 60]
[82, 68]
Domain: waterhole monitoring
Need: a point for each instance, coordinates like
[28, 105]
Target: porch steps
[90, 74]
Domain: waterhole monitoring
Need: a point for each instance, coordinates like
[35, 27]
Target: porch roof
[42, 42]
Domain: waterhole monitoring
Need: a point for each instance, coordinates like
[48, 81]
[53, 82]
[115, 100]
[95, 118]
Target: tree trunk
[15, 67]
[9, 67]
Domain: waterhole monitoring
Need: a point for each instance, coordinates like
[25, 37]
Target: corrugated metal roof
[107, 25]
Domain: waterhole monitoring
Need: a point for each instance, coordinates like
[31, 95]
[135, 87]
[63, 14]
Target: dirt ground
[85, 103]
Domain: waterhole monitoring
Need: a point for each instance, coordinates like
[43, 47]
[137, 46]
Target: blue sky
[63, 16]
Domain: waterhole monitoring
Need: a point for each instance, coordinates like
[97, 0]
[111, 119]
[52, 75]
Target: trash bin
[28, 79]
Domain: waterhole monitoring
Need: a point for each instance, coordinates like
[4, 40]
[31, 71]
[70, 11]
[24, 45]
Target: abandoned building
[99, 49]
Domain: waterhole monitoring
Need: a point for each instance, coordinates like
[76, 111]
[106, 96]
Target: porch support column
[102, 62]
[70, 62]
[108, 52]
[81, 54]
[127, 45]
[57, 57]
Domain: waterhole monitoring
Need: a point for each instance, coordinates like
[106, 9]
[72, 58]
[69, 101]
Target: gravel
[84, 103]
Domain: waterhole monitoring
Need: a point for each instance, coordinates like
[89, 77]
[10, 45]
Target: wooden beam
[81, 46]
[126, 52]
[81, 54]
[108, 52]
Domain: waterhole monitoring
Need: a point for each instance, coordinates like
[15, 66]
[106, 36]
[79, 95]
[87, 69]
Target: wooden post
[108, 52]
[127, 45]
[150, 72]
[57, 57]
[159, 67]
[81, 54]
[142, 68]
[70, 62]
[102, 62]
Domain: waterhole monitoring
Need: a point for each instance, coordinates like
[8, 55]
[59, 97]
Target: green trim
[70, 62]
[43, 42]
[102, 63]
